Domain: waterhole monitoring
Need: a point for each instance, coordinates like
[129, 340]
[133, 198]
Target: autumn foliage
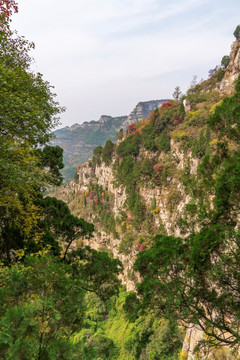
[131, 127]
[166, 104]
[136, 131]
[158, 168]
[7, 7]
[141, 247]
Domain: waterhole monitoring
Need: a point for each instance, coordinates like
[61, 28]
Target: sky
[104, 56]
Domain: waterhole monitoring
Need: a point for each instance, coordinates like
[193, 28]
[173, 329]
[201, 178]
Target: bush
[98, 151]
[131, 128]
[219, 74]
[225, 61]
[201, 145]
[107, 152]
[167, 104]
[163, 142]
[146, 168]
[196, 118]
[126, 243]
[130, 146]
[237, 32]
[163, 117]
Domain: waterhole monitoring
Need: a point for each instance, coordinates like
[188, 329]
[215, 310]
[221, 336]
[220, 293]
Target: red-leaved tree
[6, 9]
[167, 104]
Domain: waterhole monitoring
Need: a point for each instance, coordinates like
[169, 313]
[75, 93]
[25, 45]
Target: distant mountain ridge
[79, 140]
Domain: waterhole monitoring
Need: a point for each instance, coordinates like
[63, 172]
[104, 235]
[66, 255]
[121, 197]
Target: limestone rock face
[166, 216]
[193, 336]
[142, 110]
[233, 69]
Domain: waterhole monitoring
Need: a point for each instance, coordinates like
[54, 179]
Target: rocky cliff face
[170, 180]
[169, 199]
[142, 110]
[233, 69]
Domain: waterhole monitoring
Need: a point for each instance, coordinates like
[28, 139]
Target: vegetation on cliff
[60, 299]
[194, 277]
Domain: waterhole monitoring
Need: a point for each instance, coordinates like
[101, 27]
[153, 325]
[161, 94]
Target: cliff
[227, 84]
[79, 140]
[142, 110]
[174, 175]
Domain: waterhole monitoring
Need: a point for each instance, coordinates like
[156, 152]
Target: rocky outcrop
[142, 110]
[166, 217]
[170, 201]
[227, 84]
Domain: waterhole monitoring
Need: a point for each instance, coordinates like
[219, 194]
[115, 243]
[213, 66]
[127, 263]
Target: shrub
[179, 135]
[146, 168]
[219, 74]
[131, 128]
[149, 133]
[158, 168]
[130, 146]
[126, 243]
[163, 142]
[98, 151]
[237, 32]
[156, 211]
[225, 61]
[166, 104]
[125, 168]
[107, 152]
[196, 118]
[163, 117]
[136, 131]
[201, 145]
[141, 247]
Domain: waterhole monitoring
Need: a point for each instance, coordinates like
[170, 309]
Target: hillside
[165, 201]
[79, 140]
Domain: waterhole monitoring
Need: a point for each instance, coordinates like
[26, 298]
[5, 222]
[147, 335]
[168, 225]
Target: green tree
[129, 146]
[237, 32]
[97, 271]
[107, 152]
[163, 142]
[97, 151]
[225, 61]
[41, 307]
[27, 117]
[51, 159]
[147, 168]
[148, 135]
[42, 302]
[61, 224]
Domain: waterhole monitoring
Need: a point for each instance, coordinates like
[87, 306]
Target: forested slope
[165, 200]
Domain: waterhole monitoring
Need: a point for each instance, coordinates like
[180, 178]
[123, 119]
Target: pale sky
[104, 56]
